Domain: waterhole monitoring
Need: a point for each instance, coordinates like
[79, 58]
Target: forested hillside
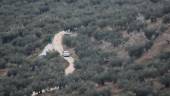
[122, 47]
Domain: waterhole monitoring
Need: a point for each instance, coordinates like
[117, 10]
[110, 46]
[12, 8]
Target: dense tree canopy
[26, 26]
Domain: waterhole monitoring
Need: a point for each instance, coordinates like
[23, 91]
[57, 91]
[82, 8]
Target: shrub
[70, 41]
[44, 8]
[12, 72]
[166, 19]
[136, 51]
[2, 64]
[143, 91]
[150, 32]
[165, 56]
[135, 26]
[165, 80]
[166, 9]
[154, 1]
[165, 93]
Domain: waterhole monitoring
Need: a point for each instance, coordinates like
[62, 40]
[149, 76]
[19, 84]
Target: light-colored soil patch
[70, 69]
[48, 48]
[57, 45]
[3, 72]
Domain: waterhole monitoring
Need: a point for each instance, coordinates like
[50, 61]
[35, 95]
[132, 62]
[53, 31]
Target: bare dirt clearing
[57, 45]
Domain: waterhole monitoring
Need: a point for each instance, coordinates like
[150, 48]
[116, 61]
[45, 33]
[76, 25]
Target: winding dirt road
[57, 45]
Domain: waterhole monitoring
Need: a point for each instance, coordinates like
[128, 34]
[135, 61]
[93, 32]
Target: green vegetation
[26, 26]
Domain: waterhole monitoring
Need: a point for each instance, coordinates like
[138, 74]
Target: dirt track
[160, 45]
[57, 45]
